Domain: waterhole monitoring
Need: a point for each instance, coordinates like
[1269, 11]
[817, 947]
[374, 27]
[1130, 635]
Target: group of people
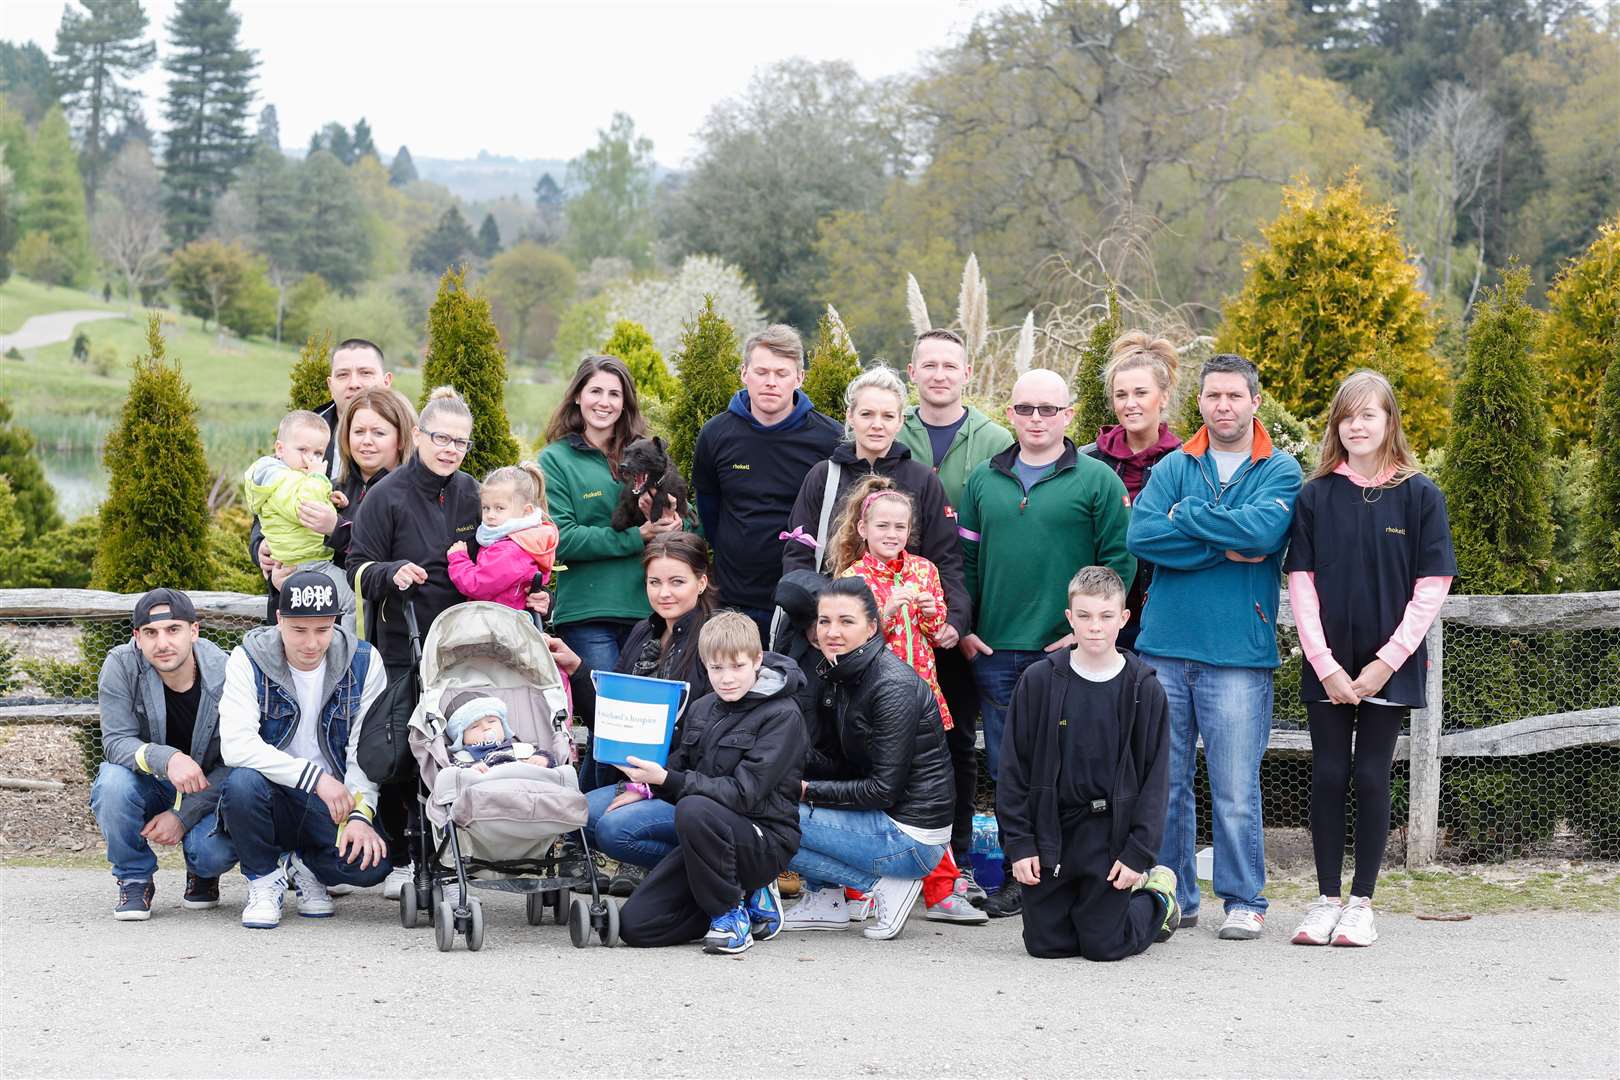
[850, 605]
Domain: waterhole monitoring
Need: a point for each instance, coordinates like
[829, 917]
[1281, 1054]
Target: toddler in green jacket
[275, 485]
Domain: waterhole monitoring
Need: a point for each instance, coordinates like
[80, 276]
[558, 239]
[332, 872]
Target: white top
[1228, 462]
[306, 737]
[1091, 676]
[941, 835]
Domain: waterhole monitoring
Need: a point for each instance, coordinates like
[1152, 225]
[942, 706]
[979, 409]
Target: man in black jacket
[1081, 795]
[734, 779]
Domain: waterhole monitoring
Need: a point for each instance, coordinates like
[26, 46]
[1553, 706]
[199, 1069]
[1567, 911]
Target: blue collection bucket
[635, 717]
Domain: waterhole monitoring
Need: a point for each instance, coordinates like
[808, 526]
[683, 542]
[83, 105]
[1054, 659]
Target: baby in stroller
[480, 737]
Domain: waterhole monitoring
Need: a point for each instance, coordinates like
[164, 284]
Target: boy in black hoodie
[734, 778]
[1081, 796]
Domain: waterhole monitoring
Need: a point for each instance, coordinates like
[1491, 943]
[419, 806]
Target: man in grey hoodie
[160, 783]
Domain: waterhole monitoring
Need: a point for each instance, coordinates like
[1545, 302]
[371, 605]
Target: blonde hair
[1097, 581]
[1135, 350]
[527, 482]
[779, 338]
[396, 411]
[880, 376]
[302, 418]
[444, 401]
[1352, 394]
[846, 546]
[729, 633]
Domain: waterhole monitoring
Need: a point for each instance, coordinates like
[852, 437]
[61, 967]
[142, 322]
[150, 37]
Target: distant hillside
[489, 176]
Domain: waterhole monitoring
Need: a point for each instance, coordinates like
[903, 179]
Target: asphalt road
[194, 994]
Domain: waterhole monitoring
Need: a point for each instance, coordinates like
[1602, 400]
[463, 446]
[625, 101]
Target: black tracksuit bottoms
[720, 857]
[962, 698]
[1079, 912]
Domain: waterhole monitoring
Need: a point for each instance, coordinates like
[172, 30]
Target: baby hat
[475, 709]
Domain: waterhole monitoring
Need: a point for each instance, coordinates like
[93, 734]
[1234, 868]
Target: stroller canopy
[484, 644]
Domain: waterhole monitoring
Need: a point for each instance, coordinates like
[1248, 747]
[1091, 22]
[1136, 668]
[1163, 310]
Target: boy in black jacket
[734, 778]
[1081, 796]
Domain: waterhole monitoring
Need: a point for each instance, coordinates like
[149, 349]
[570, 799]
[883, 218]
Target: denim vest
[278, 710]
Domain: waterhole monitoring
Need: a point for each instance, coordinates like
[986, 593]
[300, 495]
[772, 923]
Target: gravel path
[194, 994]
[49, 329]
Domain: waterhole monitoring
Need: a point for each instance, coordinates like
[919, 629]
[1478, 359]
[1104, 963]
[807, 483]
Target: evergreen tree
[832, 364]
[55, 203]
[26, 80]
[11, 538]
[269, 129]
[708, 363]
[97, 50]
[1601, 543]
[210, 92]
[364, 145]
[1094, 410]
[1495, 470]
[36, 499]
[9, 233]
[631, 343]
[402, 170]
[445, 245]
[1331, 291]
[464, 351]
[547, 194]
[154, 521]
[334, 138]
[332, 238]
[309, 389]
[489, 237]
[1581, 333]
[610, 211]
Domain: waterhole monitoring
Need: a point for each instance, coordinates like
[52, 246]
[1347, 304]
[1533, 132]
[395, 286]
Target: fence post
[1423, 800]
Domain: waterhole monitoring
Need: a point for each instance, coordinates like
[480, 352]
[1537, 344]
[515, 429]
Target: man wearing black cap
[297, 802]
[160, 783]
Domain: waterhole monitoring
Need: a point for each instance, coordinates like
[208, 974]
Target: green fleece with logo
[976, 441]
[603, 579]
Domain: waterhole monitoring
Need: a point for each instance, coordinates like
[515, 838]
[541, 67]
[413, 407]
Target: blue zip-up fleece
[1202, 605]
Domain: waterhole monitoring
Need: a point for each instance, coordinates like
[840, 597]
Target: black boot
[625, 879]
[1005, 901]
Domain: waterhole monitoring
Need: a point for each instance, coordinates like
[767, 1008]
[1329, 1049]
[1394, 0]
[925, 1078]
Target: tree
[269, 133]
[364, 146]
[446, 244]
[301, 300]
[128, 224]
[708, 363]
[833, 362]
[264, 212]
[333, 240]
[1601, 540]
[548, 199]
[464, 351]
[402, 170]
[252, 311]
[26, 80]
[209, 276]
[97, 50]
[489, 237]
[1495, 475]
[210, 93]
[1581, 333]
[154, 521]
[611, 186]
[631, 343]
[9, 233]
[378, 313]
[335, 139]
[665, 305]
[1329, 292]
[529, 286]
[308, 379]
[580, 329]
[1096, 409]
[20, 467]
[55, 203]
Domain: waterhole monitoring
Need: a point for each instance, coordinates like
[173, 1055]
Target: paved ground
[49, 329]
[194, 994]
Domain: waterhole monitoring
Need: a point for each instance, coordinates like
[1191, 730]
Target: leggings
[1376, 728]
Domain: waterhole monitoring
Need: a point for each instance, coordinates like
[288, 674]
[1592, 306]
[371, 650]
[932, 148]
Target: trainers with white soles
[818, 909]
[263, 908]
[892, 901]
[954, 907]
[1356, 924]
[1242, 925]
[1320, 919]
[314, 902]
[397, 879]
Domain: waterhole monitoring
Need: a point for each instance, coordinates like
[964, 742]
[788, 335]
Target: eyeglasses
[442, 440]
[1044, 410]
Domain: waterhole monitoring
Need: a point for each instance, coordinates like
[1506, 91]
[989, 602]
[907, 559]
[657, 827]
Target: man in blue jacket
[1214, 521]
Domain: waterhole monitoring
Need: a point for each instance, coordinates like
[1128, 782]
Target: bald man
[1030, 517]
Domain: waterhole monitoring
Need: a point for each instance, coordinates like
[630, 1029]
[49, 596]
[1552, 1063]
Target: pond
[78, 477]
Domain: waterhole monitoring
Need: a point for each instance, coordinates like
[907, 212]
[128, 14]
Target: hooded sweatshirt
[978, 439]
[746, 475]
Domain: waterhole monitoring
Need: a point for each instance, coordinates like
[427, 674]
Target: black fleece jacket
[1026, 790]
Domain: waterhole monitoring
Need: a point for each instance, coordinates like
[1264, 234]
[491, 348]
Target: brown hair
[1354, 392]
[779, 338]
[688, 548]
[939, 333]
[845, 548]
[568, 420]
[728, 634]
[526, 481]
[395, 410]
[1135, 349]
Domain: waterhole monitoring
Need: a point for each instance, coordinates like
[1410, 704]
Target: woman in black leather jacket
[878, 787]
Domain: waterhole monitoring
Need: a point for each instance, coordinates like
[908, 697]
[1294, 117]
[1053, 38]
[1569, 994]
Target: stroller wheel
[475, 926]
[559, 914]
[444, 926]
[408, 911]
[535, 904]
[608, 929]
[579, 921]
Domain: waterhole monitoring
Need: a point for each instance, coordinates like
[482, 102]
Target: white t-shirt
[306, 739]
[1228, 462]
[1114, 669]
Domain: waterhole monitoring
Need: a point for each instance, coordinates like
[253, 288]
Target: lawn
[21, 300]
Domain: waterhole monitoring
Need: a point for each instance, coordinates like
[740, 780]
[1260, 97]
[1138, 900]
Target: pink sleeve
[1308, 621]
[1428, 595]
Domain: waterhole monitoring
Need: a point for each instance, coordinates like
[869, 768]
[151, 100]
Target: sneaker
[1242, 925]
[1356, 924]
[341, 890]
[818, 909]
[201, 892]
[1005, 901]
[314, 902]
[1320, 919]
[968, 887]
[134, 901]
[625, 879]
[730, 933]
[263, 908]
[955, 908]
[892, 901]
[397, 879]
[860, 907]
[1161, 881]
[765, 912]
[1188, 921]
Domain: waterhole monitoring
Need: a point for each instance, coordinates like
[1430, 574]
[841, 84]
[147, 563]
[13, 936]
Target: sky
[532, 80]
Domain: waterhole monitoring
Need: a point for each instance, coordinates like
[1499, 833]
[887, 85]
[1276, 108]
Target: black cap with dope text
[308, 594]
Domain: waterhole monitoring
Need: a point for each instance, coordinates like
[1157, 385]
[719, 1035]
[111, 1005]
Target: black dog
[647, 470]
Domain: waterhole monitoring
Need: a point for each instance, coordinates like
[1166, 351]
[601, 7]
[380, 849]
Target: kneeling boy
[734, 778]
[1081, 796]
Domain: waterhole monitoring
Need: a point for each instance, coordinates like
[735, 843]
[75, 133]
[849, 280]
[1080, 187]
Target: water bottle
[985, 851]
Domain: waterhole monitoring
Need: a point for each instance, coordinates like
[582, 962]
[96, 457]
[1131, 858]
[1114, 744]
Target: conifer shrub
[464, 351]
[1581, 334]
[34, 497]
[309, 374]
[1600, 546]
[708, 363]
[832, 364]
[631, 343]
[1092, 408]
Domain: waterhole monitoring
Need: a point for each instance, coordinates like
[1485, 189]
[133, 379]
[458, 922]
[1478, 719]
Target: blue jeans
[266, 819]
[1231, 708]
[596, 641]
[854, 848]
[124, 800]
[641, 833]
[996, 675]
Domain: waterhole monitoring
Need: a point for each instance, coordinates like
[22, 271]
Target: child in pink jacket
[516, 540]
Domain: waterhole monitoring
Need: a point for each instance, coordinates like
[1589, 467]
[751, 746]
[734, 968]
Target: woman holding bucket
[626, 823]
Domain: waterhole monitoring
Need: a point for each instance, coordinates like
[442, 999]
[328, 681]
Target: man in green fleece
[1030, 518]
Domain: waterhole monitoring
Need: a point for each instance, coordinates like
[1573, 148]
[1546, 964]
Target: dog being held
[647, 470]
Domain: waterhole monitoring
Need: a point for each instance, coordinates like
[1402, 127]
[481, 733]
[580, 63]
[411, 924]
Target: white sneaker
[397, 879]
[818, 909]
[1356, 924]
[1242, 925]
[859, 910]
[955, 908]
[892, 901]
[1320, 919]
[263, 908]
[314, 902]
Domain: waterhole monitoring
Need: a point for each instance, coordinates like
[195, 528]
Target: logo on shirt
[1393, 529]
[592, 495]
[739, 466]
[465, 528]
[1125, 500]
[310, 596]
